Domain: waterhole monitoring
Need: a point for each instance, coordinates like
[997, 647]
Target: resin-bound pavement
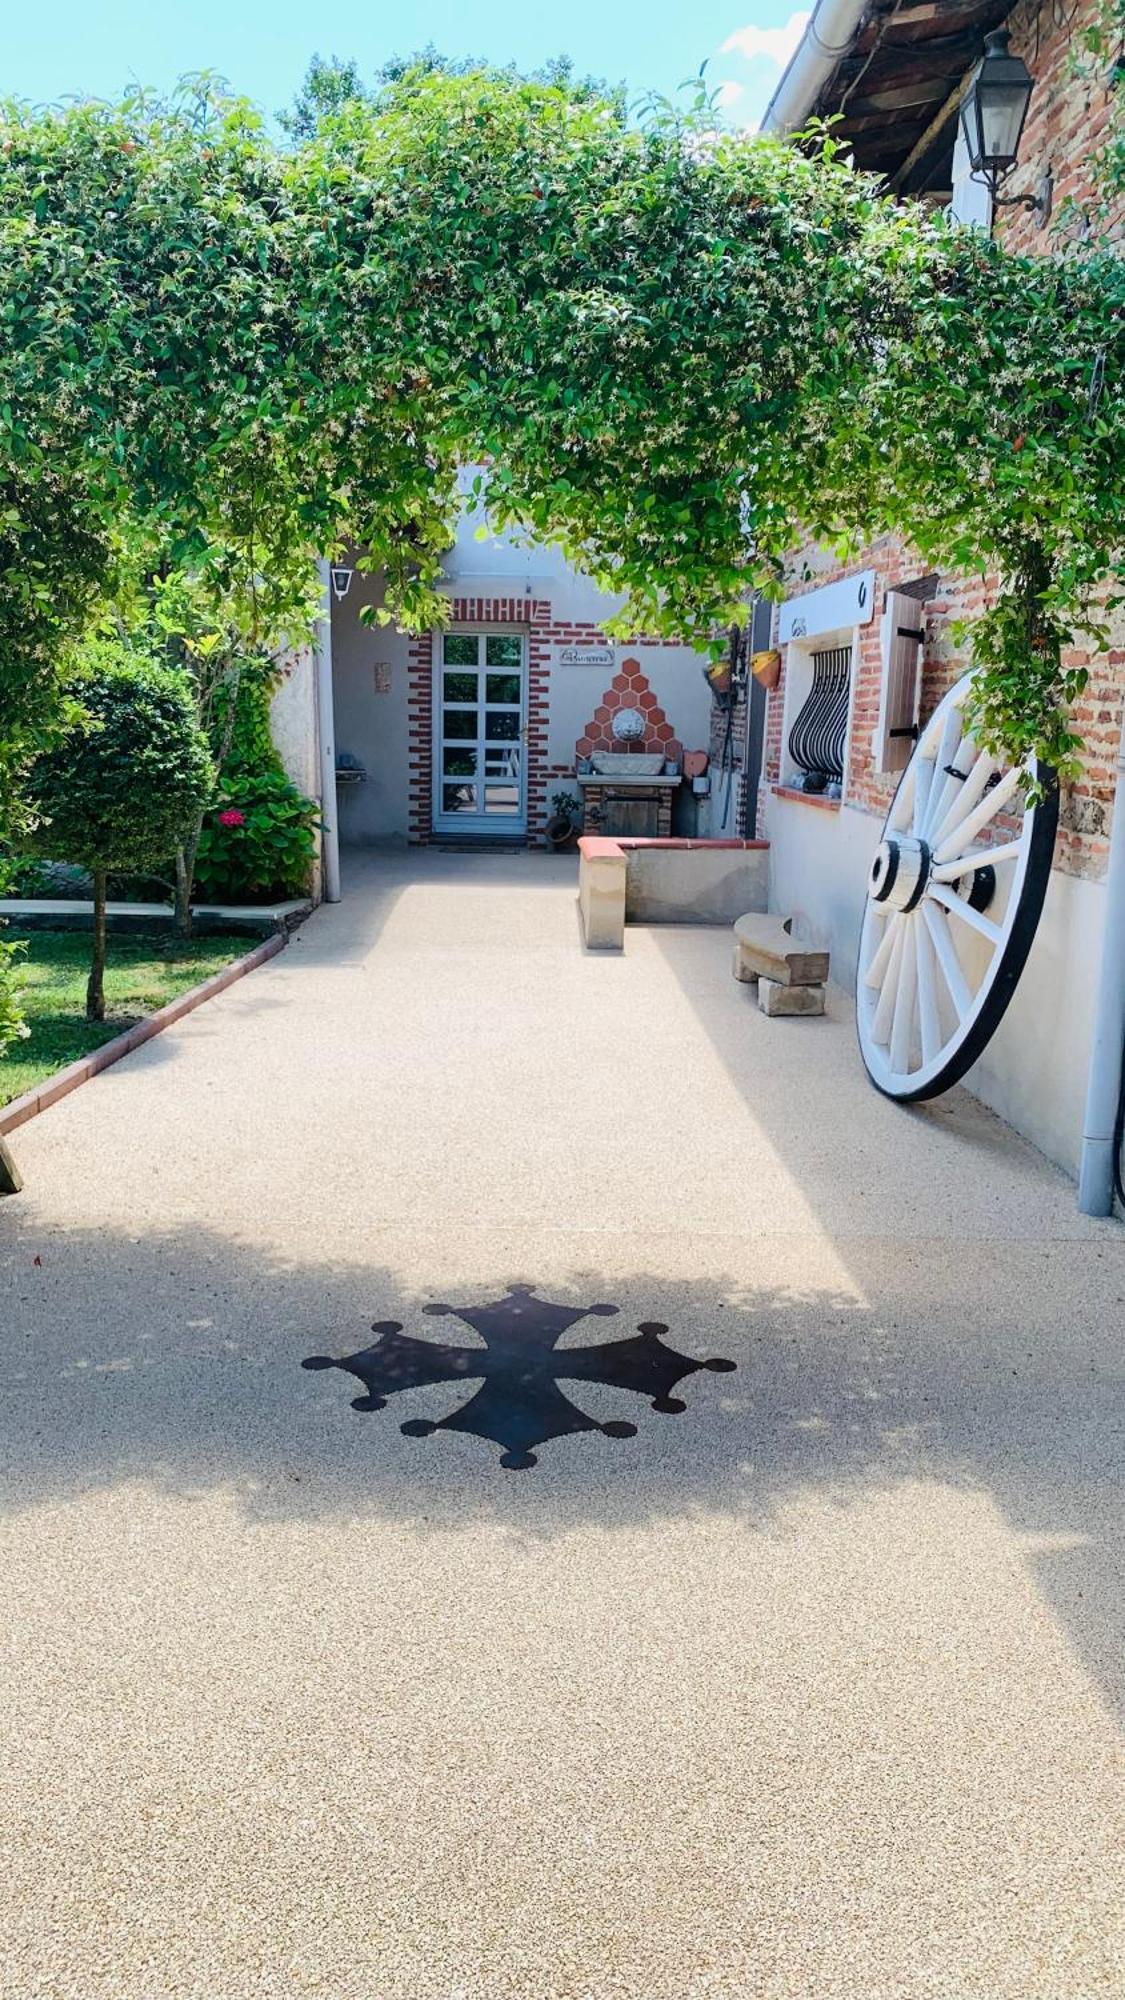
[813, 1689]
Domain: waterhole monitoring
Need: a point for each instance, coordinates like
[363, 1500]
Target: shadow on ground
[187, 1378]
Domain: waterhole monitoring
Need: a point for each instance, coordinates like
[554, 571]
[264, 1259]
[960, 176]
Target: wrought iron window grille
[816, 740]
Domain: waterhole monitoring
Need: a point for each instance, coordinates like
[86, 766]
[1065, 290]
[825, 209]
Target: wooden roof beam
[933, 130]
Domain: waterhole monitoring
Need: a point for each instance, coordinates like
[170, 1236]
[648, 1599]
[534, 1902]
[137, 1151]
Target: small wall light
[992, 113]
[341, 580]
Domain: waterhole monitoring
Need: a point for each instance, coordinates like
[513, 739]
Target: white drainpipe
[827, 38]
[1103, 1087]
[326, 731]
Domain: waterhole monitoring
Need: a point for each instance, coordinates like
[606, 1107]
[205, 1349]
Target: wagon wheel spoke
[962, 830]
[954, 895]
[956, 985]
[958, 907]
[977, 857]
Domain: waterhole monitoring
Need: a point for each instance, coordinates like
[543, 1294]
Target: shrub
[119, 789]
[258, 839]
[12, 1028]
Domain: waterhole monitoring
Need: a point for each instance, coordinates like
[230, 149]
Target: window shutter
[903, 639]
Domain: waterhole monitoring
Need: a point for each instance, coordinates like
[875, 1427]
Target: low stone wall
[666, 882]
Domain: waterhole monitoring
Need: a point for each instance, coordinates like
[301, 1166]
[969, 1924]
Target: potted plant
[561, 830]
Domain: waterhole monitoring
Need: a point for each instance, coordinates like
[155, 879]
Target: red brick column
[421, 751]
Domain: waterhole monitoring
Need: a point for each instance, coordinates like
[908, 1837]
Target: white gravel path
[814, 1690]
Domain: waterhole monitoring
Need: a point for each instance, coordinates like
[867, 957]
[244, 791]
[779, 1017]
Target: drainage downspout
[1103, 1088]
[326, 733]
[824, 43]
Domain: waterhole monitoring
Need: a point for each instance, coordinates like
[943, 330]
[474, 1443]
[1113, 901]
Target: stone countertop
[638, 781]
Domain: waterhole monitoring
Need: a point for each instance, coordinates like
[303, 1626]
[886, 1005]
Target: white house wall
[370, 677]
[293, 721]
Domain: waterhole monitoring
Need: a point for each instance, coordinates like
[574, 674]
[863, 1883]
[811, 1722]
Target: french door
[480, 734]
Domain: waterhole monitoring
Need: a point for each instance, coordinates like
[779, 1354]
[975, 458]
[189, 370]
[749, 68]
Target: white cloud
[764, 52]
[776, 44]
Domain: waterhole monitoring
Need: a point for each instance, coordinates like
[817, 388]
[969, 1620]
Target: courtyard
[813, 1687]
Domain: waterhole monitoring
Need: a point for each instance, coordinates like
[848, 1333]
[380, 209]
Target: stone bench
[790, 976]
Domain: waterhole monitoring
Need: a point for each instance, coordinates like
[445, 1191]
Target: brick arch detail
[628, 689]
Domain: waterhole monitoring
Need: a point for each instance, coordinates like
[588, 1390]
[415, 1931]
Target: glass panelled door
[480, 734]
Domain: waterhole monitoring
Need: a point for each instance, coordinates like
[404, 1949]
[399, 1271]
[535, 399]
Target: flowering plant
[263, 847]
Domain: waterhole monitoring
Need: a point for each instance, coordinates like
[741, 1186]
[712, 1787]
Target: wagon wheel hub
[899, 872]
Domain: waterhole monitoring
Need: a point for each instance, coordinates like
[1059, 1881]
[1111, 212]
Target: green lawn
[143, 973]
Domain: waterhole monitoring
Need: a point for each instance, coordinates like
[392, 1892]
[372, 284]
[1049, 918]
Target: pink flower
[232, 817]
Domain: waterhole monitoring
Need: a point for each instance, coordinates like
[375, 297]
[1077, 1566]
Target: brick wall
[1066, 122]
[1066, 116]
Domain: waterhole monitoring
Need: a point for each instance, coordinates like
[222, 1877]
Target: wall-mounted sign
[835, 607]
[382, 677]
[586, 656]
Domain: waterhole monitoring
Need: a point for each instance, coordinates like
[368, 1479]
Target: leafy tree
[328, 86]
[332, 87]
[120, 788]
[677, 350]
[218, 620]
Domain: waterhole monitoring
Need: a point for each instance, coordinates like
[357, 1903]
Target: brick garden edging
[53, 1088]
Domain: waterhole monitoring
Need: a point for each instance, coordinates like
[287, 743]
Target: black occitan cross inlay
[519, 1404]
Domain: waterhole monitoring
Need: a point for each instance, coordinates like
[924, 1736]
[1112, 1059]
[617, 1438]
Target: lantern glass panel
[1001, 114]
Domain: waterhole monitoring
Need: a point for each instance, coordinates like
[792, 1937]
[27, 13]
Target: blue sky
[95, 47]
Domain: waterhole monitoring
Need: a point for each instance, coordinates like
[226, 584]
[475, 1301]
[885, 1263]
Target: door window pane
[499, 687]
[460, 687]
[502, 763]
[460, 649]
[501, 800]
[459, 763]
[502, 725]
[460, 722]
[503, 652]
[459, 798]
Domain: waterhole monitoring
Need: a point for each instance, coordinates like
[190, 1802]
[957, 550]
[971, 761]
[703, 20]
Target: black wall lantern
[993, 111]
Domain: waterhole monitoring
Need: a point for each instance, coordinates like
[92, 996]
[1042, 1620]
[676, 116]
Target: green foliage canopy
[679, 352]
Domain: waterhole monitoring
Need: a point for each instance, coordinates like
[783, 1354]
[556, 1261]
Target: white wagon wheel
[954, 895]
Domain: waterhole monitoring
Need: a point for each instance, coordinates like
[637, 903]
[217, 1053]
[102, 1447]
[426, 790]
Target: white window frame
[798, 685]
